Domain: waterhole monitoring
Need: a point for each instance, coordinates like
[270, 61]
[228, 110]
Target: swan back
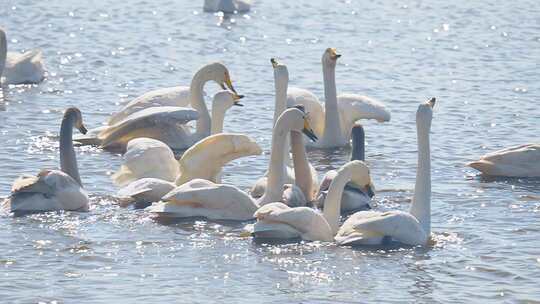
[517, 161]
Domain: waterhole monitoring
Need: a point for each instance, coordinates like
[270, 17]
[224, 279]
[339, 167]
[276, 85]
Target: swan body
[18, 68]
[161, 123]
[276, 220]
[202, 198]
[333, 123]
[227, 6]
[145, 190]
[517, 161]
[53, 189]
[281, 80]
[169, 97]
[354, 197]
[153, 158]
[410, 228]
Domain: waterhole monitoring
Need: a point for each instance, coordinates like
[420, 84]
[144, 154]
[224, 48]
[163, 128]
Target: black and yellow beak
[308, 131]
[236, 99]
[227, 84]
[431, 102]
[82, 129]
[334, 54]
[274, 62]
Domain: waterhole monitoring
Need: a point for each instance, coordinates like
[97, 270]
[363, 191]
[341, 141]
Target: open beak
[83, 129]
[370, 190]
[236, 99]
[309, 132]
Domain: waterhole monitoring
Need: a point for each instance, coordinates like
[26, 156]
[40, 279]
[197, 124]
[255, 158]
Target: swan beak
[431, 102]
[229, 85]
[274, 62]
[370, 190]
[236, 98]
[82, 129]
[309, 132]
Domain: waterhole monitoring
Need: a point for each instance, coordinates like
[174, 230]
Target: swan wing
[204, 198]
[309, 222]
[49, 190]
[353, 107]
[206, 158]
[155, 122]
[517, 161]
[24, 68]
[146, 158]
[312, 105]
[364, 225]
[169, 97]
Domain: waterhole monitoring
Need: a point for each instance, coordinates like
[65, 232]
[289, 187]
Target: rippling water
[478, 58]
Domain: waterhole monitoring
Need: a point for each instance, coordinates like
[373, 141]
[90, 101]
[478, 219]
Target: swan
[147, 157]
[353, 199]
[53, 189]
[334, 123]
[410, 228]
[180, 96]
[20, 68]
[204, 160]
[227, 6]
[281, 80]
[279, 221]
[517, 161]
[203, 198]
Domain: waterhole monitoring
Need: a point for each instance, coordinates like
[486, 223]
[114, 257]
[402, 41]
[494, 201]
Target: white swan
[53, 189]
[147, 157]
[18, 68]
[410, 228]
[202, 198]
[204, 160]
[333, 124]
[278, 221]
[181, 96]
[354, 198]
[281, 81]
[517, 161]
[227, 6]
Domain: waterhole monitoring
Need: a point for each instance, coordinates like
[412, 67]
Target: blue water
[479, 58]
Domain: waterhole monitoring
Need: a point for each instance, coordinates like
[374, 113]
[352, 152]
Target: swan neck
[218, 117]
[68, 161]
[332, 127]
[358, 145]
[302, 171]
[281, 83]
[421, 204]
[276, 172]
[3, 51]
[203, 126]
[332, 203]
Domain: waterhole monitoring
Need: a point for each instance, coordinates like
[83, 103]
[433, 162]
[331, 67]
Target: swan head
[330, 57]
[74, 114]
[224, 100]
[424, 114]
[219, 73]
[360, 176]
[296, 120]
[307, 130]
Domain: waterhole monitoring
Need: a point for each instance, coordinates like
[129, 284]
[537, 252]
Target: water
[478, 58]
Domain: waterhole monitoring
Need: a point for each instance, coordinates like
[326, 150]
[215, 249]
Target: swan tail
[87, 140]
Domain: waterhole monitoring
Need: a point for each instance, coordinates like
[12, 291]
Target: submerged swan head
[330, 57]
[74, 114]
[3, 50]
[217, 72]
[360, 176]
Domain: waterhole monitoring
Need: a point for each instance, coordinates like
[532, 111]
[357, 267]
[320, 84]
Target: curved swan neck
[3, 51]
[358, 143]
[197, 101]
[68, 161]
[302, 172]
[332, 203]
[332, 127]
[421, 203]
